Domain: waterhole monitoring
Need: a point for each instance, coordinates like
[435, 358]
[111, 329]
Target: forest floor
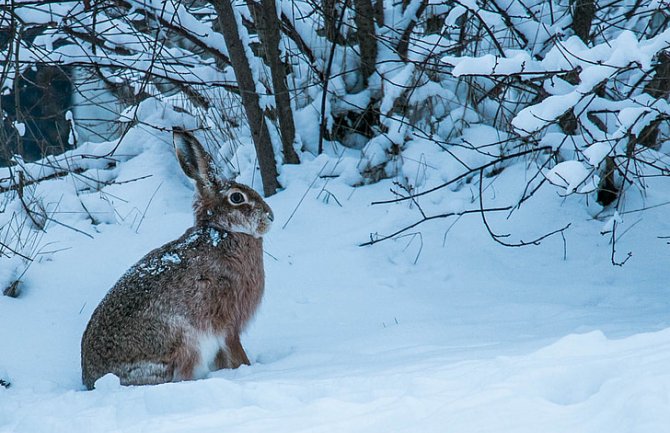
[443, 330]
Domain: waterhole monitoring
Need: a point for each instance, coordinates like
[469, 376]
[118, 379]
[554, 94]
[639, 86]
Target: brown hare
[177, 313]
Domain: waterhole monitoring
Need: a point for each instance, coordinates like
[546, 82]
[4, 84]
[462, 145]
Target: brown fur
[197, 291]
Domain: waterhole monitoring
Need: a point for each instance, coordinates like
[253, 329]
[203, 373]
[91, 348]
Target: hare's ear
[195, 161]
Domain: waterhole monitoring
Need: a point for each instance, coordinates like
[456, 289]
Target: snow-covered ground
[445, 331]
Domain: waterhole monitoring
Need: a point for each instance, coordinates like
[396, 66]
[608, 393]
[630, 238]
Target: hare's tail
[145, 373]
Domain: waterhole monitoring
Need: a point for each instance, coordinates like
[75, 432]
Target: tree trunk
[245, 81]
[367, 40]
[267, 25]
[379, 12]
[403, 45]
[330, 21]
[583, 13]
[608, 191]
[658, 87]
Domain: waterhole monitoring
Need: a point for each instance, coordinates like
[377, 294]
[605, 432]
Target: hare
[177, 313]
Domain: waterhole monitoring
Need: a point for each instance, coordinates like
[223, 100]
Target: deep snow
[473, 337]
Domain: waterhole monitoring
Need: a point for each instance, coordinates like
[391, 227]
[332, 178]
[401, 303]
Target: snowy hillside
[442, 331]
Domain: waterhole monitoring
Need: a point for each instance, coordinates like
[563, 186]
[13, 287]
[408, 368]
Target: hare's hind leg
[237, 353]
[184, 359]
[233, 355]
[180, 367]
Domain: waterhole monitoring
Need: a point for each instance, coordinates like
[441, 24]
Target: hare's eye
[236, 198]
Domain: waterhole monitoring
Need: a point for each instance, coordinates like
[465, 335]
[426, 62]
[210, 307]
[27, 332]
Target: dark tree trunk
[245, 81]
[367, 40]
[658, 87]
[608, 191]
[403, 45]
[330, 16]
[435, 24]
[583, 12]
[379, 12]
[267, 25]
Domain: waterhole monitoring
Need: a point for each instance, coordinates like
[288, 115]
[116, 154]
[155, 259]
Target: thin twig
[466, 174]
[373, 241]
[498, 237]
[146, 208]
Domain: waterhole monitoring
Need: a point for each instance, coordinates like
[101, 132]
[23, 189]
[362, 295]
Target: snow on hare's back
[177, 313]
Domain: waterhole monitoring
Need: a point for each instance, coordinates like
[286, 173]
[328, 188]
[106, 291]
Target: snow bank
[584, 383]
[441, 328]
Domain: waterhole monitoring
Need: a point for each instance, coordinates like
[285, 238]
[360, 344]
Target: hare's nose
[270, 216]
